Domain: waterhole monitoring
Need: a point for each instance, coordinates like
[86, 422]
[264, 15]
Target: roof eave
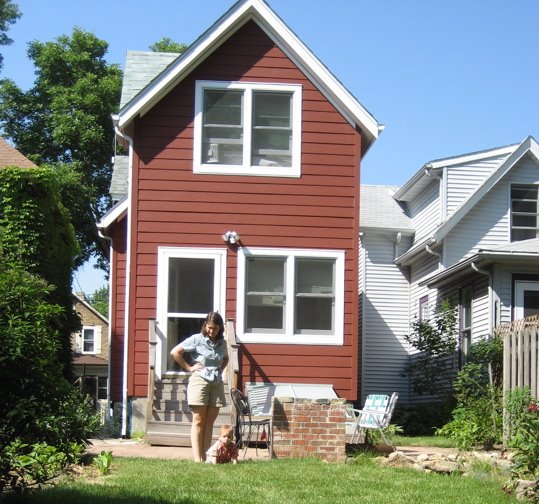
[219, 32]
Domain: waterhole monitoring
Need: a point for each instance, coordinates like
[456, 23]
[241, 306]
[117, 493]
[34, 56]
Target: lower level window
[291, 296]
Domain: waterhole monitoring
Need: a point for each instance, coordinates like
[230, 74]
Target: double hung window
[247, 128]
[524, 212]
[294, 297]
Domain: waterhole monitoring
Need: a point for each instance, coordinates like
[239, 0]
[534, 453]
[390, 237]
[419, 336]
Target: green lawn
[152, 481]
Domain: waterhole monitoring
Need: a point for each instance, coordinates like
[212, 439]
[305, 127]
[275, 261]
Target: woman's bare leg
[197, 433]
[211, 415]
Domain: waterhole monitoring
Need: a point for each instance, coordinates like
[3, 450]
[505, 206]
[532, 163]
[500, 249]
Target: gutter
[121, 134]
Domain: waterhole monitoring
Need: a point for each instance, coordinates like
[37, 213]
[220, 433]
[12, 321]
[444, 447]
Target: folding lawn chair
[376, 414]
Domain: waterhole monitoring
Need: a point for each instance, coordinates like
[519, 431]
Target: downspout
[121, 134]
[103, 236]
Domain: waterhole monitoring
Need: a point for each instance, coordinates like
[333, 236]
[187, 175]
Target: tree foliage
[65, 118]
[168, 45]
[36, 233]
[9, 13]
[437, 343]
[99, 300]
[41, 414]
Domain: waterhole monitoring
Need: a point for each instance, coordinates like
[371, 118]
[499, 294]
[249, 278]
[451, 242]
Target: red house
[241, 195]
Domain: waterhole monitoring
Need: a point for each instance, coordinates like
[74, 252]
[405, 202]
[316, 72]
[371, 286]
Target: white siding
[487, 225]
[425, 211]
[385, 304]
[463, 180]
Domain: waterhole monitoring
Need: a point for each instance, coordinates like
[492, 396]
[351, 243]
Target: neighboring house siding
[463, 180]
[385, 319]
[174, 207]
[425, 211]
[488, 223]
[117, 284]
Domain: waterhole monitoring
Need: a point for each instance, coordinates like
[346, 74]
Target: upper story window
[291, 296]
[89, 340]
[524, 212]
[247, 129]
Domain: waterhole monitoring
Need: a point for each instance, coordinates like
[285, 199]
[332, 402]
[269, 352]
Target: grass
[434, 441]
[154, 481]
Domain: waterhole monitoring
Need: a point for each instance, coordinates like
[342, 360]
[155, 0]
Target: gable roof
[79, 299]
[9, 156]
[527, 146]
[379, 210]
[423, 177]
[239, 14]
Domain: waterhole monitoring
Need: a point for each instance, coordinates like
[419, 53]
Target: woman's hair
[214, 318]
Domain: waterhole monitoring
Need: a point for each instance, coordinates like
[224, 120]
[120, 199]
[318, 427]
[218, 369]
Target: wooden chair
[376, 414]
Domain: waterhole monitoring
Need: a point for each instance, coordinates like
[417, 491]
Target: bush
[41, 414]
[423, 419]
[477, 417]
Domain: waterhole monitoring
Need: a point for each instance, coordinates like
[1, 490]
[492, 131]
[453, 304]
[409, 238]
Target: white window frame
[96, 340]
[288, 337]
[246, 168]
[219, 293]
[521, 286]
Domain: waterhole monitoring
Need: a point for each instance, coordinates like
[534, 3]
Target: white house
[464, 228]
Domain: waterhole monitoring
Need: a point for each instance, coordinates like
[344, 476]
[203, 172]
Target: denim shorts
[201, 392]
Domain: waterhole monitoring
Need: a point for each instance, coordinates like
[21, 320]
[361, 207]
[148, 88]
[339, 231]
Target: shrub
[40, 409]
[477, 417]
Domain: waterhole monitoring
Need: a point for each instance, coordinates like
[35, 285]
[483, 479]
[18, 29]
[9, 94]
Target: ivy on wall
[35, 232]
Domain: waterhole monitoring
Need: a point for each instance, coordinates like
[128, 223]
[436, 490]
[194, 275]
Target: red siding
[117, 315]
[175, 207]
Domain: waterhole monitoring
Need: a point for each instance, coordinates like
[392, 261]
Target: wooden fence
[521, 354]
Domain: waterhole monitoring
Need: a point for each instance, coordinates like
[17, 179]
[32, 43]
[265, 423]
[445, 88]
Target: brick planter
[309, 428]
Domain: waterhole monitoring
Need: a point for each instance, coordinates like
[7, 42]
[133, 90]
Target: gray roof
[141, 67]
[520, 247]
[379, 210]
[118, 183]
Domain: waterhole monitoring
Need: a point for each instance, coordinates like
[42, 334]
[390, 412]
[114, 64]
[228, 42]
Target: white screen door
[526, 299]
[190, 284]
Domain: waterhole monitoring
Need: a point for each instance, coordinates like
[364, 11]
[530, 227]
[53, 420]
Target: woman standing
[206, 391]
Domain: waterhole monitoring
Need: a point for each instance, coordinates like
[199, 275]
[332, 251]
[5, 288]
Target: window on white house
[524, 212]
[424, 314]
[294, 297]
[247, 128]
[465, 321]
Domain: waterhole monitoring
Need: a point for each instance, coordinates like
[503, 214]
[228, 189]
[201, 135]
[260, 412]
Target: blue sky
[445, 78]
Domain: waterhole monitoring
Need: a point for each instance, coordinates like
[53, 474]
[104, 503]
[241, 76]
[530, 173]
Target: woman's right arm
[177, 354]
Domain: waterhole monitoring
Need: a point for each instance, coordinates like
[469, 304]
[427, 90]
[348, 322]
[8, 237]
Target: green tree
[36, 233]
[65, 118]
[100, 300]
[436, 342]
[9, 13]
[168, 45]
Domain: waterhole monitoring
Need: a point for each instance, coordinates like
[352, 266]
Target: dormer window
[247, 129]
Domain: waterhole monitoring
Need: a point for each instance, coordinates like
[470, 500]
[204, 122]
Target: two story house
[91, 354]
[240, 194]
[463, 228]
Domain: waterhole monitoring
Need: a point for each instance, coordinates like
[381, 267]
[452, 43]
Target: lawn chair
[376, 414]
[247, 429]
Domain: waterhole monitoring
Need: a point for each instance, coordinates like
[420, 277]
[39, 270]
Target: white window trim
[97, 340]
[521, 286]
[246, 169]
[288, 337]
[219, 293]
